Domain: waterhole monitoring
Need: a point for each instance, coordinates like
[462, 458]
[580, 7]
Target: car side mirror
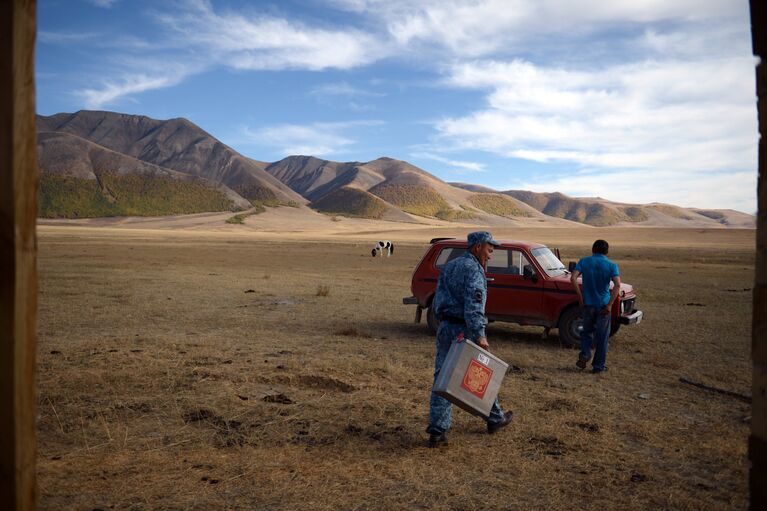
[571, 266]
[529, 273]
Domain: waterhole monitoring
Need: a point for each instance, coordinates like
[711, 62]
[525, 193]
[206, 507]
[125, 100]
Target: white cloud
[46, 36]
[695, 119]
[480, 27]
[197, 33]
[315, 139]
[261, 42]
[342, 94]
[465, 165]
[114, 90]
[103, 3]
[249, 39]
[343, 89]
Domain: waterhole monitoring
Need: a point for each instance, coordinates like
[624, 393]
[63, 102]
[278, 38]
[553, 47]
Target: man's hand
[482, 342]
[605, 311]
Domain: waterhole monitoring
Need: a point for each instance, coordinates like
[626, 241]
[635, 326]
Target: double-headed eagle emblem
[476, 378]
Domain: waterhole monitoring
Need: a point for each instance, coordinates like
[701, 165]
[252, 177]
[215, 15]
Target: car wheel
[570, 326]
[431, 321]
[614, 326]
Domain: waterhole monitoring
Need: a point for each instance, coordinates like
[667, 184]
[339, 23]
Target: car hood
[563, 282]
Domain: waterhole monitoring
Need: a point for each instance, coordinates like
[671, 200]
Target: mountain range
[96, 164]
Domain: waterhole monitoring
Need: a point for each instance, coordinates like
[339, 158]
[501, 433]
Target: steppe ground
[194, 370]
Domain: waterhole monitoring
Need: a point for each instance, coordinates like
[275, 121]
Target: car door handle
[490, 279]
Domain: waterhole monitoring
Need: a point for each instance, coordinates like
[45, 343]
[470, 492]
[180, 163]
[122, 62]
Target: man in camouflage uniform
[459, 305]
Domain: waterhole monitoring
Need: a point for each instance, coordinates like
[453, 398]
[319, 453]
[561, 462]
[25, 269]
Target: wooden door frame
[18, 255]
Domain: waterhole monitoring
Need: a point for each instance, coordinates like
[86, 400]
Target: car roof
[504, 243]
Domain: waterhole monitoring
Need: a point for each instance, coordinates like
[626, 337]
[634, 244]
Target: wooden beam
[757, 442]
[18, 251]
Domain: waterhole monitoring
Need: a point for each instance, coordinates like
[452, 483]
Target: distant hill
[601, 212]
[96, 163]
[134, 141]
[402, 187]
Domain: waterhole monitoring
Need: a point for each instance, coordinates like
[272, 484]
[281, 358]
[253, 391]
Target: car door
[509, 294]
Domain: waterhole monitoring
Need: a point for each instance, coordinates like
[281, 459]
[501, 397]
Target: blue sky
[630, 100]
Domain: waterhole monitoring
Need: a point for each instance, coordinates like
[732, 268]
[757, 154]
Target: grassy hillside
[588, 213]
[455, 214]
[635, 214]
[351, 202]
[561, 206]
[126, 195]
[671, 211]
[497, 204]
[419, 200]
[258, 194]
[536, 200]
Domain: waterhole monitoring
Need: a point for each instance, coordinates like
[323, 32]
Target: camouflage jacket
[462, 293]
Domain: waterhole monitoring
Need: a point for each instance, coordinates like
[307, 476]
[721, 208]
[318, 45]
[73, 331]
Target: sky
[634, 101]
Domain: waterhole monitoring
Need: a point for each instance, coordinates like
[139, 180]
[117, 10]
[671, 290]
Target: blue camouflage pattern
[461, 293]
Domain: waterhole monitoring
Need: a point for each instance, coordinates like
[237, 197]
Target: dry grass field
[204, 371]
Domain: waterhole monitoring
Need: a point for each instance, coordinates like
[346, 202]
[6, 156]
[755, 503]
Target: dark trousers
[596, 330]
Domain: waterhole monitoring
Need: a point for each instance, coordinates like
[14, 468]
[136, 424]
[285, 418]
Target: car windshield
[549, 262]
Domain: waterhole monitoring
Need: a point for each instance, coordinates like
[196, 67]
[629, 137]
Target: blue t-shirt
[597, 272]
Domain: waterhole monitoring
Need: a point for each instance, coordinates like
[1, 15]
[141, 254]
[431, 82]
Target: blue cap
[481, 237]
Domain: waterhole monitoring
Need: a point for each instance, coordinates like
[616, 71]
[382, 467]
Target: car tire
[570, 325]
[431, 321]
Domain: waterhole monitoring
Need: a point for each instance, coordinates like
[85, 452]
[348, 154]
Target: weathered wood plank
[18, 269]
[757, 450]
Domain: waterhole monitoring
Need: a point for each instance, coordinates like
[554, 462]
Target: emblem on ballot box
[476, 378]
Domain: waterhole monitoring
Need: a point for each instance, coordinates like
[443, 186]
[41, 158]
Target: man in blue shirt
[459, 304]
[596, 300]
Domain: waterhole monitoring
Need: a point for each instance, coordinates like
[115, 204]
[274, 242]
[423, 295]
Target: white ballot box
[471, 378]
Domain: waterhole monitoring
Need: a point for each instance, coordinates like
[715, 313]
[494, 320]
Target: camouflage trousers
[440, 409]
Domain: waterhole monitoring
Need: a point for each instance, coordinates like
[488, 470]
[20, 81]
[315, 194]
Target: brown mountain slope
[82, 179]
[312, 177]
[330, 185]
[401, 185]
[175, 144]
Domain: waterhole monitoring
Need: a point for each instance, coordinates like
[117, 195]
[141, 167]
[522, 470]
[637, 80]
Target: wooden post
[18, 251]
[757, 444]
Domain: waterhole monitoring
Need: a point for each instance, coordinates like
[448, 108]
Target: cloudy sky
[630, 100]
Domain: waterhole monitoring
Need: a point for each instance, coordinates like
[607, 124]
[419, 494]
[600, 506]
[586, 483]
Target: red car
[526, 284]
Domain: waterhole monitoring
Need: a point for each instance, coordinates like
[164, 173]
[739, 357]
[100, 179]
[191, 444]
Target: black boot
[437, 439]
[492, 427]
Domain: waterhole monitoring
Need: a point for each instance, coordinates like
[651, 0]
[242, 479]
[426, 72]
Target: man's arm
[574, 280]
[613, 295]
[474, 308]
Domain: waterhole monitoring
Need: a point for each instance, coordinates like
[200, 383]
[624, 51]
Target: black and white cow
[383, 246]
